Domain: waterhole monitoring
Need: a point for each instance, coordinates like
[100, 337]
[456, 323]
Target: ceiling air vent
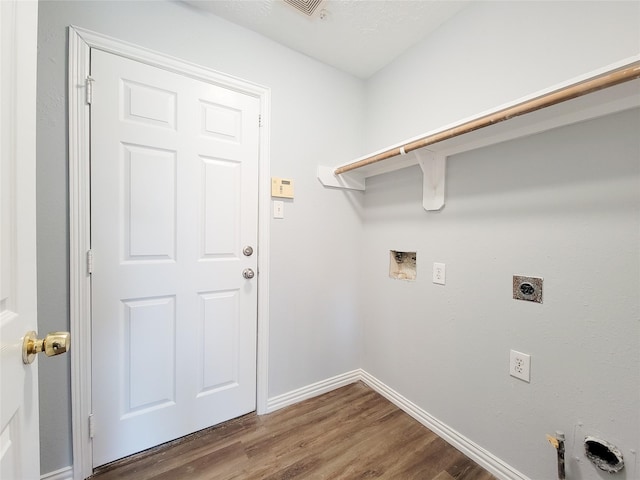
[308, 7]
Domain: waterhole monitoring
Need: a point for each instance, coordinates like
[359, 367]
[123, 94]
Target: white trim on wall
[79, 279]
[482, 457]
[313, 390]
[65, 473]
[81, 42]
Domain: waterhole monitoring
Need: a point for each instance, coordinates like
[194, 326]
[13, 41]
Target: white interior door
[174, 202]
[19, 436]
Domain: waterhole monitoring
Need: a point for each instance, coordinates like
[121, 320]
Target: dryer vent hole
[603, 455]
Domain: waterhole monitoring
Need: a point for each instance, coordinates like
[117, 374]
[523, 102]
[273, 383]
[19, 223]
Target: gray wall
[317, 117]
[492, 53]
[572, 218]
[564, 205]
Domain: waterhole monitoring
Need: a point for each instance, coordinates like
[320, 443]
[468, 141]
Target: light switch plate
[278, 209]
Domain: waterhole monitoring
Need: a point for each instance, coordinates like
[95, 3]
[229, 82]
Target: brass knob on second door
[53, 344]
[248, 273]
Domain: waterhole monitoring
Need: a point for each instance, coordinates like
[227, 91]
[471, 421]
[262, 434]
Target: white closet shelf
[608, 90]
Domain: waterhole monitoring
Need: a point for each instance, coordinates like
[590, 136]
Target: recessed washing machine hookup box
[402, 265]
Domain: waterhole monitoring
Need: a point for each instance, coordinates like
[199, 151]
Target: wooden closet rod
[615, 77]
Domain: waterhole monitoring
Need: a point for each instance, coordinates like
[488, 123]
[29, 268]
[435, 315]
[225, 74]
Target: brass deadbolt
[53, 344]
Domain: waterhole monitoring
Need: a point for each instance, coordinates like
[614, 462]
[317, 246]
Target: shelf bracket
[350, 181]
[433, 167]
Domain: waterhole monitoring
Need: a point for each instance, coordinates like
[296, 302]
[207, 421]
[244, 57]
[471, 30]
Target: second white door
[174, 202]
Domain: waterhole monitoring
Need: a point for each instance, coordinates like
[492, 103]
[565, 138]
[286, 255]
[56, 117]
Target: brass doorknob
[53, 344]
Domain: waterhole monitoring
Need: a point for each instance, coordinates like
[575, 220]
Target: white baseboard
[482, 457]
[65, 473]
[312, 390]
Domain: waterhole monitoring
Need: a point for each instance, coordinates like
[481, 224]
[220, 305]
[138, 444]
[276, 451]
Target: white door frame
[81, 41]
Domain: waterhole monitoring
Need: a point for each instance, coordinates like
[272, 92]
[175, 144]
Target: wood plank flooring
[349, 433]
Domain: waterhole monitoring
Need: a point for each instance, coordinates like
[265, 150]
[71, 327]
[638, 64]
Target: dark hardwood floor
[349, 433]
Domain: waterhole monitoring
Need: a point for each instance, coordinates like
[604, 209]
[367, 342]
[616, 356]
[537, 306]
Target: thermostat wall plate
[281, 187]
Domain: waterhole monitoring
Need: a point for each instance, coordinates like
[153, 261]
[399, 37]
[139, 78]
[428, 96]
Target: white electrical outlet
[439, 273]
[520, 365]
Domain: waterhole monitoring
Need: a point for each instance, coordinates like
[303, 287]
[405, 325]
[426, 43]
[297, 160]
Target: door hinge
[92, 426]
[89, 261]
[89, 86]
[259, 120]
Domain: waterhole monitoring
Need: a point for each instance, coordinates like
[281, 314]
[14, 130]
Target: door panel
[221, 207]
[218, 341]
[19, 434]
[150, 378]
[174, 176]
[150, 203]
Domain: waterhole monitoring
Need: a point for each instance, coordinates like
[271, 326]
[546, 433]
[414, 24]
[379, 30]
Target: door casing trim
[81, 41]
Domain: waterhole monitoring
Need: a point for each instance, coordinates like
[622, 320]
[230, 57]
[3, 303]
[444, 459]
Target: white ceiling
[356, 36]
